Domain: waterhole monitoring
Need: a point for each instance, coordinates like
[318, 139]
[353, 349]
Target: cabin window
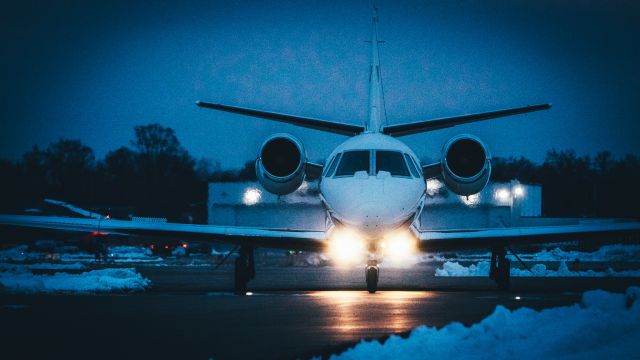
[412, 166]
[352, 162]
[392, 162]
[334, 163]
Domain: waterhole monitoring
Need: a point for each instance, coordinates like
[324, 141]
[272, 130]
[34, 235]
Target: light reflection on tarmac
[270, 324]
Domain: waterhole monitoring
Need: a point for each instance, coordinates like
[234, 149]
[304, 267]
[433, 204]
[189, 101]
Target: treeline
[572, 185]
[156, 176]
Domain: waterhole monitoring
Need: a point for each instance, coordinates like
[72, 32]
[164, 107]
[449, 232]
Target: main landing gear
[245, 270]
[372, 272]
[500, 270]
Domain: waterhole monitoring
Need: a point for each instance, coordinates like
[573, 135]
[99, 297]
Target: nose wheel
[372, 272]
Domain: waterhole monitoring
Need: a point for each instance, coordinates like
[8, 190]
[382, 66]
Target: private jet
[372, 186]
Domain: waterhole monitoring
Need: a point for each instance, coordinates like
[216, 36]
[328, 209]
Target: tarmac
[293, 312]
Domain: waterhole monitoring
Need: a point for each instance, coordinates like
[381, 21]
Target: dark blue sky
[92, 72]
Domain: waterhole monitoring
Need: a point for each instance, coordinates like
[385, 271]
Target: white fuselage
[376, 198]
[373, 202]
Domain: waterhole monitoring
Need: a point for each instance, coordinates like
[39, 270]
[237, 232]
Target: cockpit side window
[352, 162]
[334, 164]
[412, 166]
[391, 161]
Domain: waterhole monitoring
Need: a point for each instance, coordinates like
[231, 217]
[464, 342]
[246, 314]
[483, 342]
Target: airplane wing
[436, 124]
[477, 239]
[259, 237]
[317, 124]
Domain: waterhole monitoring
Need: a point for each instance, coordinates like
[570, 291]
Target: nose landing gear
[372, 272]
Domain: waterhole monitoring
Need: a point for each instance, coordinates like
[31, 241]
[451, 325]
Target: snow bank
[42, 266]
[603, 325]
[618, 252]
[132, 254]
[606, 253]
[105, 280]
[452, 268]
[179, 251]
[18, 253]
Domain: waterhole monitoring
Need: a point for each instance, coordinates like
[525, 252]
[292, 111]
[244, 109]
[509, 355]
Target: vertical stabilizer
[374, 122]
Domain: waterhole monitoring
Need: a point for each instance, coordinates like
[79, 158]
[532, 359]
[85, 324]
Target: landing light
[398, 247]
[346, 247]
[251, 196]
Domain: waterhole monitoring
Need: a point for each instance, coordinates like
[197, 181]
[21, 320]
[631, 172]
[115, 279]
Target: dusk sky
[72, 69]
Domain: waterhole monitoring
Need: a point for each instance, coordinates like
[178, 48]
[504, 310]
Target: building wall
[303, 210]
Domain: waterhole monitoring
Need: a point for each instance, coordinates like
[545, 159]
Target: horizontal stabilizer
[436, 124]
[311, 123]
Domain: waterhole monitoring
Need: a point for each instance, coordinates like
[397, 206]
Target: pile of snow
[452, 268]
[41, 266]
[606, 253]
[132, 254]
[179, 251]
[18, 253]
[105, 280]
[618, 252]
[115, 253]
[603, 325]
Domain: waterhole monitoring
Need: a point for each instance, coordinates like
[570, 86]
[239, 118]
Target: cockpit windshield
[392, 162]
[352, 162]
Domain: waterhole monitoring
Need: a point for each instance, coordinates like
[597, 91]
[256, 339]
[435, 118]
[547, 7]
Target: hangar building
[247, 204]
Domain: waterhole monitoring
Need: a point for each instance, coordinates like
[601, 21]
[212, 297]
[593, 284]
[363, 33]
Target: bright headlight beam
[346, 247]
[398, 248]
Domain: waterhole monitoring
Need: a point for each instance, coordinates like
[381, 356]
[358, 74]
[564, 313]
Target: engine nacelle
[280, 166]
[466, 165]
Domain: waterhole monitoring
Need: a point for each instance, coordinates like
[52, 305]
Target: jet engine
[280, 166]
[466, 165]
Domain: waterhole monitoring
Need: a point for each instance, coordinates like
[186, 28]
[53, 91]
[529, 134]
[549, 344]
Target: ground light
[503, 195]
[251, 196]
[518, 191]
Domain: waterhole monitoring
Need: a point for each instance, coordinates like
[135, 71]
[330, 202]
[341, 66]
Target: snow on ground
[42, 266]
[606, 253]
[119, 254]
[618, 252]
[603, 325]
[21, 280]
[131, 254]
[18, 253]
[452, 268]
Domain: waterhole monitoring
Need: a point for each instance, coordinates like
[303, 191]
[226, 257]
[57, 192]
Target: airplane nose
[371, 217]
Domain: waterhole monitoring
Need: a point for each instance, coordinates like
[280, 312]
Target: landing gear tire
[500, 270]
[372, 273]
[244, 270]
